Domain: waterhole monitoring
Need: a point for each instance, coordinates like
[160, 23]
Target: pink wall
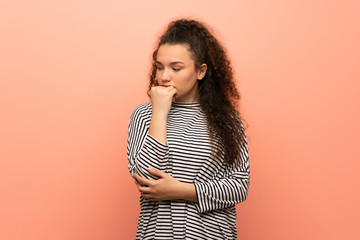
[72, 71]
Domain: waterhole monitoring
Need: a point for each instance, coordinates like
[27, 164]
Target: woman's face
[176, 68]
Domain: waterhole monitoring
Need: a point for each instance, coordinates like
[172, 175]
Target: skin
[178, 81]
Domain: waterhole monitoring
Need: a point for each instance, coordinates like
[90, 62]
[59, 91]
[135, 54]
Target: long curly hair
[218, 93]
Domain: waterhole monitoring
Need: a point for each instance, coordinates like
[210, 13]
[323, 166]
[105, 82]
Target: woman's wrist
[187, 191]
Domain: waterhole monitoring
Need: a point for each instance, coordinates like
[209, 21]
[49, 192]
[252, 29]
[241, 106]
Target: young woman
[187, 148]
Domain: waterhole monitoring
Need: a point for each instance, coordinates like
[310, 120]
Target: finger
[141, 180]
[144, 190]
[157, 172]
[172, 90]
[173, 93]
[136, 176]
[137, 184]
[149, 197]
[145, 196]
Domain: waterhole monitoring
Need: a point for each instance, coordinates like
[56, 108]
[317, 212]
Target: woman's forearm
[161, 99]
[187, 192]
[157, 128]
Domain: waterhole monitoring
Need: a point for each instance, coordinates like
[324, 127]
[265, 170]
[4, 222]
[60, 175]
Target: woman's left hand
[164, 188]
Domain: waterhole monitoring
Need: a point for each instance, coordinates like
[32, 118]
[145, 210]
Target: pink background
[71, 72]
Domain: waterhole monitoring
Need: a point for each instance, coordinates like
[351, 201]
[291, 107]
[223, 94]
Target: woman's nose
[165, 76]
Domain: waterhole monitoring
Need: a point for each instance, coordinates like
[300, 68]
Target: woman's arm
[226, 191]
[161, 98]
[143, 150]
[208, 195]
[165, 187]
[147, 146]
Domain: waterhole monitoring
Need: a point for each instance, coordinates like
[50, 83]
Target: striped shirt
[187, 157]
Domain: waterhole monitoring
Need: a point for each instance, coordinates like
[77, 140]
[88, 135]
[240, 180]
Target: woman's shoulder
[143, 110]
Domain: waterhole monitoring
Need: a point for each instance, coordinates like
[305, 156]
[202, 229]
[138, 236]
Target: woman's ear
[202, 71]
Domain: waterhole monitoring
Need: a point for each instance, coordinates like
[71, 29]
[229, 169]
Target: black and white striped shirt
[187, 157]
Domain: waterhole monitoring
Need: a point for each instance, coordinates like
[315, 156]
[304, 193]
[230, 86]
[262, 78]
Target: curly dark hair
[218, 93]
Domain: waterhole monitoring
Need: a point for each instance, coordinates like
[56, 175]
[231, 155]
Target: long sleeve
[143, 150]
[187, 157]
[224, 191]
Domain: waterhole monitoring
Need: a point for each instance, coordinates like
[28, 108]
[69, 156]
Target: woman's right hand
[161, 98]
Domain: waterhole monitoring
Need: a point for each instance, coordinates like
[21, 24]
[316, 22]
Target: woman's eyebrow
[172, 63]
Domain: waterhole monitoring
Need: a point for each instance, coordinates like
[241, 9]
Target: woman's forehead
[168, 53]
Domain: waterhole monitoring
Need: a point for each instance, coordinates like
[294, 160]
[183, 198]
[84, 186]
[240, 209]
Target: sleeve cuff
[153, 154]
[200, 205]
[155, 143]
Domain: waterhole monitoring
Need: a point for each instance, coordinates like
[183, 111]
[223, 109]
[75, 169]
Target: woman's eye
[159, 68]
[176, 69]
